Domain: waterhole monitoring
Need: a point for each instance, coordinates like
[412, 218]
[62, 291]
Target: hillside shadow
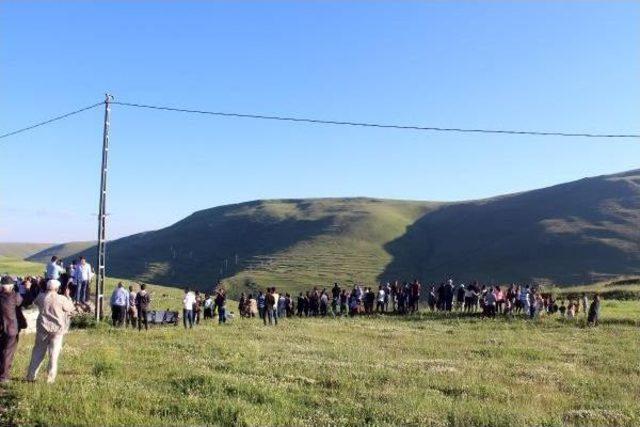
[208, 245]
[570, 233]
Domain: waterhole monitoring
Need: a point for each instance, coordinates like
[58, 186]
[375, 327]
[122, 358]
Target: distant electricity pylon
[102, 215]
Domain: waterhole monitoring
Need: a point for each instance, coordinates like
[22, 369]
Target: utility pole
[102, 215]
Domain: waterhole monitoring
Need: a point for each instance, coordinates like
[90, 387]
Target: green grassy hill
[21, 250]
[580, 232]
[63, 250]
[291, 243]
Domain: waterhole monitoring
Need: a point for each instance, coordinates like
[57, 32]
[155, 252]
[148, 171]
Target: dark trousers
[117, 314]
[8, 345]
[142, 318]
[222, 315]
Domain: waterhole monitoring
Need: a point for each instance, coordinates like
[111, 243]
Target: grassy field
[428, 369]
[425, 370]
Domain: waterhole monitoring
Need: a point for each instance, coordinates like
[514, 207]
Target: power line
[376, 125]
[46, 122]
[326, 122]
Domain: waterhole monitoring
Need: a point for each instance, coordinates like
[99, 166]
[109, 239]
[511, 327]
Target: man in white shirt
[187, 309]
[54, 270]
[82, 279]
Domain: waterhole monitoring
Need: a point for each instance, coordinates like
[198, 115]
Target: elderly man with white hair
[52, 324]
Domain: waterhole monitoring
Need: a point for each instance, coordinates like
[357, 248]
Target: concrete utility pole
[102, 224]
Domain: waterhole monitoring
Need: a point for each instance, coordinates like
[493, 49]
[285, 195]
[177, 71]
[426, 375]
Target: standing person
[197, 308]
[253, 306]
[208, 307]
[119, 304]
[132, 310]
[143, 301]
[415, 295]
[261, 306]
[300, 305]
[270, 304]
[9, 302]
[449, 291]
[282, 306]
[82, 280]
[220, 301]
[500, 298]
[335, 298]
[324, 303]
[432, 299]
[490, 304]
[344, 302]
[51, 326]
[380, 300]
[460, 297]
[242, 303]
[594, 311]
[54, 269]
[187, 307]
[585, 304]
[276, 299]
[525, 300]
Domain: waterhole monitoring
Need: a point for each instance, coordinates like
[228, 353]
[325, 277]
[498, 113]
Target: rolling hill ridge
[579, 232]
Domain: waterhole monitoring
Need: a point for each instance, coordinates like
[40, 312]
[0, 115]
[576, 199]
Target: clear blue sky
[542, 65]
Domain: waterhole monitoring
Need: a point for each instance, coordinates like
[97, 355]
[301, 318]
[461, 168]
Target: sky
[548, 66]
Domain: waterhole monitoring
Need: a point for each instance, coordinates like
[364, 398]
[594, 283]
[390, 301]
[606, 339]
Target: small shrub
[83, 321]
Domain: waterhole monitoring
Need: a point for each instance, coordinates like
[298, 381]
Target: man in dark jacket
[143, 300]
[9, 302]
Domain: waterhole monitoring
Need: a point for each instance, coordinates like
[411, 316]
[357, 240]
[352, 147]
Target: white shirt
[83, 272]
[189, 300]
[381, 295]
[54, 271]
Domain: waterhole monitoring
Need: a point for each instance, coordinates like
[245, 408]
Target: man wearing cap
[52, 324]
[9, 302]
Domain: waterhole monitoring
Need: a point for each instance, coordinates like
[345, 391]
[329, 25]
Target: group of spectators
[76, 277]
[55, 292]
[406, 297]
[130, 307]
[55, 303]
[195, 305]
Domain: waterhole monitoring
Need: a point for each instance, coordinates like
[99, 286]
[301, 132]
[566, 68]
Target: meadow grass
[428, 369]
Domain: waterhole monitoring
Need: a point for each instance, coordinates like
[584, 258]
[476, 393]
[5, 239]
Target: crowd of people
[62, 291]
[130, 308]
[405, 298]
[54, 306]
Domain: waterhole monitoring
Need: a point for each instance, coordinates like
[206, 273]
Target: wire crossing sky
[537, 67]
[322, 122]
